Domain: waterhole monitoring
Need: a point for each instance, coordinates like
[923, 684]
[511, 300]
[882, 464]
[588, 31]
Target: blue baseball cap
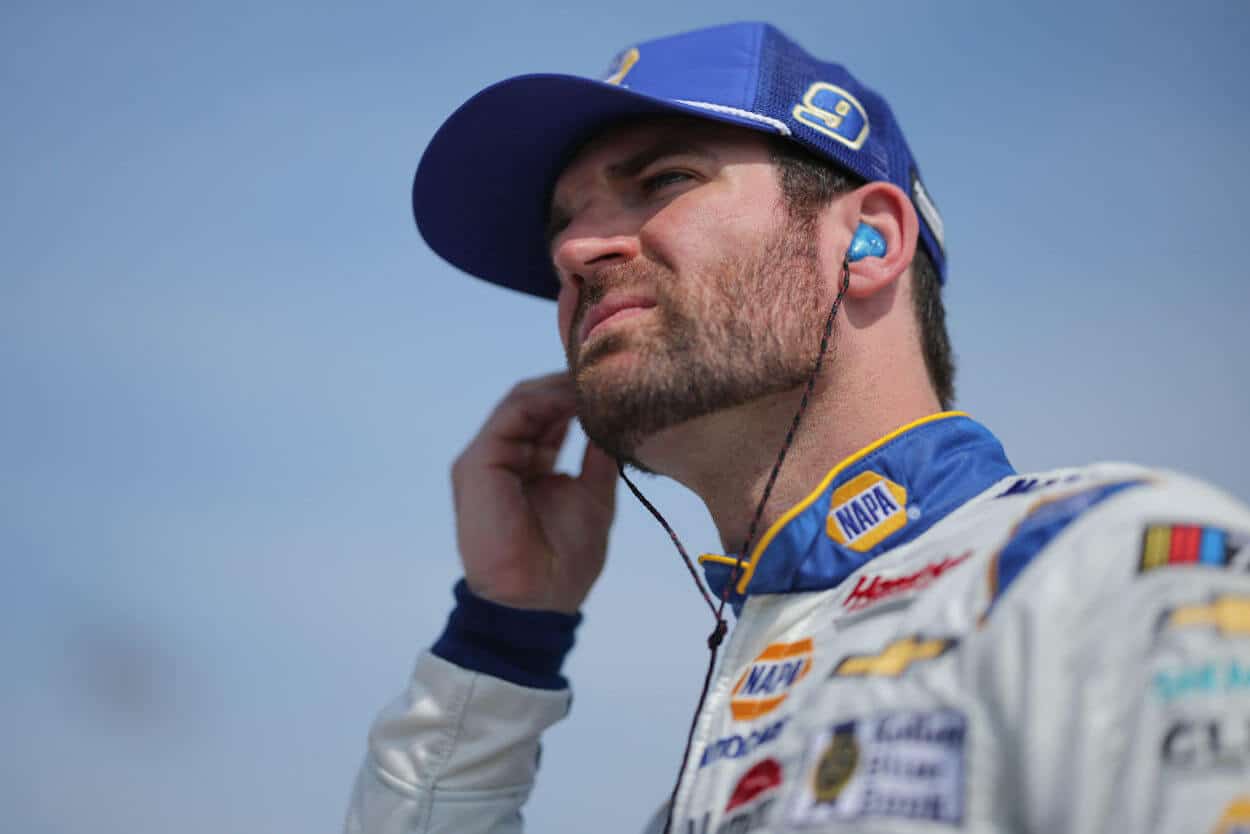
[482, 188]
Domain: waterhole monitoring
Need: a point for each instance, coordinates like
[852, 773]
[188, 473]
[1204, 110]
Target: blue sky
[235, 378]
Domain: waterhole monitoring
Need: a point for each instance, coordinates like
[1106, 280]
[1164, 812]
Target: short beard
[747, 329]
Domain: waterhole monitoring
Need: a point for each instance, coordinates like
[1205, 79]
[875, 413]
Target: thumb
[599, 473]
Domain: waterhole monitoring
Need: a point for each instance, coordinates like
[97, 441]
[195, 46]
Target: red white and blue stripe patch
[1181, 545]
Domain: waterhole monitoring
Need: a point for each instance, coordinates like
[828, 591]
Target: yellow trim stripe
[749, 565]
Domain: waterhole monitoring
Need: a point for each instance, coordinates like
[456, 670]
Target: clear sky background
[234, 378]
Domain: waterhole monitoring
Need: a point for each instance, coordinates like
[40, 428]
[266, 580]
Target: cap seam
[752, 85]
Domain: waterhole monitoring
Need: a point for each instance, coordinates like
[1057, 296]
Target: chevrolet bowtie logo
[894, 659]
[1229, 615]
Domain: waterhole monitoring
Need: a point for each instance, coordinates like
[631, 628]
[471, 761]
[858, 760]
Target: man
[925, 640]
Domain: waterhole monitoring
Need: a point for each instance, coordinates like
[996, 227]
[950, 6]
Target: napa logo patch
[1236, 818]
[621, 65]
[768, 681]
[835, 113]
[865, 510]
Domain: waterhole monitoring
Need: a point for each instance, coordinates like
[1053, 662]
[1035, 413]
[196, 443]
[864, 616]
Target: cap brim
[481, 192]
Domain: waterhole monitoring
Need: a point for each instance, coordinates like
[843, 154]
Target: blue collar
[883, 496]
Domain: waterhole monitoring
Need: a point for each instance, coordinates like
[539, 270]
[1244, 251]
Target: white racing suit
[928, 642]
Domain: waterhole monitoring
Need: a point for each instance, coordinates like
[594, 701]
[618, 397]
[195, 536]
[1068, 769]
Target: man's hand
[528, 537]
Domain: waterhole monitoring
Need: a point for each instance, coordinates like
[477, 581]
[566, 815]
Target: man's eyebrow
[632, 166]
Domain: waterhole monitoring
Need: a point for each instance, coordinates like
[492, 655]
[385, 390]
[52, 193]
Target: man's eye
[654, 183]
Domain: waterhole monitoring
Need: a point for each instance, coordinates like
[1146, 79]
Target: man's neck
[727, 457]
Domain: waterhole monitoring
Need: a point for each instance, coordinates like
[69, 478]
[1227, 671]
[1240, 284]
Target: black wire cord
[717, 636]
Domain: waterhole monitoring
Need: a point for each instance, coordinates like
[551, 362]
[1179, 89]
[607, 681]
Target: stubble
[745, 328]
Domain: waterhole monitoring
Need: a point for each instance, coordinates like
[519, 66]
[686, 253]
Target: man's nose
[579, 255]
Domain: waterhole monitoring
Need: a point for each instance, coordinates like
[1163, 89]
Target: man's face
[685, 285]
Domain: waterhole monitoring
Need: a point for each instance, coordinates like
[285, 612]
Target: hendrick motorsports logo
[875, 588]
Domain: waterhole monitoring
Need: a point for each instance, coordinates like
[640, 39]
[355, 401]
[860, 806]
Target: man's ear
[885, 208]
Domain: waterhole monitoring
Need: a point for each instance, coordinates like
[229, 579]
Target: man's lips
[612, 309]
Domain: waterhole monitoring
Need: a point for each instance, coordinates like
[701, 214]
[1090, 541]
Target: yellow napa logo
[1236, 818]
[865, 510]
[767, 683]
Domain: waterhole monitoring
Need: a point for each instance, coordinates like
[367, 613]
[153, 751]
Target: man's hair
[808, 184]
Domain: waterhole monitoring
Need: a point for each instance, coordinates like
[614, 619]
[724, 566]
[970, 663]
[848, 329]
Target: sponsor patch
[763, 777]
[835, 113]
[896, 765]
[1026, 484]
[1190, 545]
[874, 588]
[1212, 678]
[768, 680]
[1217, 742]
[738, 745]
[894, 659]
[1227, 614]
[1236, 817]
[865, 510]
[748, 805]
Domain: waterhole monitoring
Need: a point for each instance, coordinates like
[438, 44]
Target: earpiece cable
[718, 632]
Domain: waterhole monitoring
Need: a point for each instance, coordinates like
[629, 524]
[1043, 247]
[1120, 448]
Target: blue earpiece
[867, 242]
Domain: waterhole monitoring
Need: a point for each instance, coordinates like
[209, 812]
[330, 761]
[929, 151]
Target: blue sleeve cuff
[520, 646]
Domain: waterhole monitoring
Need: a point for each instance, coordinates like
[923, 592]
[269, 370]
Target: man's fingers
[558, 381]
[553, 437]
[537, 411]
[525, 431]
[521, 457]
